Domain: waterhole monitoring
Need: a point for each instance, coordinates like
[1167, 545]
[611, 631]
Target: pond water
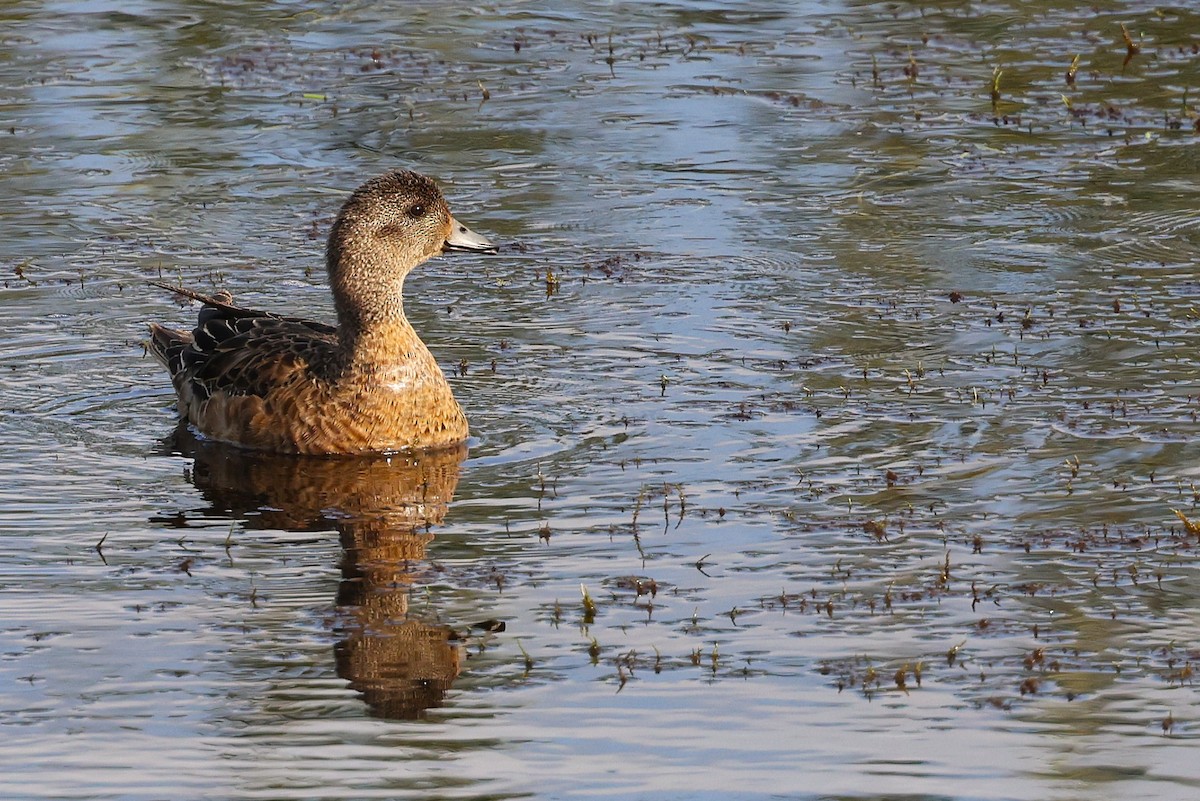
[845, 354]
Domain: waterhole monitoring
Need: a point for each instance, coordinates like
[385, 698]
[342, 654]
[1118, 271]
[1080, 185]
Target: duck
[368, 385]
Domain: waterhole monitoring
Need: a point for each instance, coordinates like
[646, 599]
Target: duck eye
[416, 210]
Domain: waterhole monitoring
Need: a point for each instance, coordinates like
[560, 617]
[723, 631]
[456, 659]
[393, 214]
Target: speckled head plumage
[290, 385]
[388, 226]
[398, 211]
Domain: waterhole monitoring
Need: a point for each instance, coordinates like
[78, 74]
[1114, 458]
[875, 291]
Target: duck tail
[166, 346]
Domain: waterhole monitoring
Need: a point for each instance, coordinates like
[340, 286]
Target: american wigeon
[368, 385]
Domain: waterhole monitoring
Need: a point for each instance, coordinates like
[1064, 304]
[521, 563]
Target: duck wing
[238, 351]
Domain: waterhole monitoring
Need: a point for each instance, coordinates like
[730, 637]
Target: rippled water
[860, 403]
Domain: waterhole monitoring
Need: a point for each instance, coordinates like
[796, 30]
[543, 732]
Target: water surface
[859, 399]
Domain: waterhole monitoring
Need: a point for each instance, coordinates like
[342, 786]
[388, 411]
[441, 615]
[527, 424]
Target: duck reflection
[384, 510]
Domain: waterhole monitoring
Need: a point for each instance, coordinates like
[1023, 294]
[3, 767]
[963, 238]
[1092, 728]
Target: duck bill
[464, 239]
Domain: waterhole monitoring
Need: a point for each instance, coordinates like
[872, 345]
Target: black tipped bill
[464, 239]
